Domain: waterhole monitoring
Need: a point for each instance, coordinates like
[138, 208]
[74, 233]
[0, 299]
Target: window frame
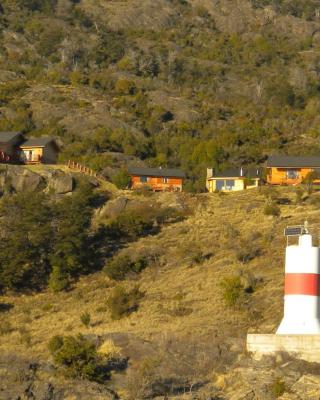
[144, 179]
[295, 172]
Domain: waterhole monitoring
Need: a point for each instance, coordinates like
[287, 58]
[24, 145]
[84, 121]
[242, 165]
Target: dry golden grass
[220, 225]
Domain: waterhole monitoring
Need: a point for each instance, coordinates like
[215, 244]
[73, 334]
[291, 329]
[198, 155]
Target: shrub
[58, 279]
[247, 252]
[131, 224]
[78, 358]
[124, 86]
[120, 266]
[232, 290]
[299, 194]
[278, 387]
[144, 190]
[272, 209]
[122, 302]
[85, 318]
[122, 179]
[180, 310]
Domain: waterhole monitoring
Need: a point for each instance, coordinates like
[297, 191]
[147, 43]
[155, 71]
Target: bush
[120, 266]
[272, 209]
[58, 279]
[124, 86]
[232, 290]
[278, 387]
[78, 358]
[247, 252]
[122, 179]
[131, 224]
[299, 194]
[85, 318]
[122, 302]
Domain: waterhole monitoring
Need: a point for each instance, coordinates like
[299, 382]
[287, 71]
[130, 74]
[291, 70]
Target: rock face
[24, 380]
[307, 387]
[62, 184]
[114, 207]
[27, 181]
[21, 179]
[18, 178]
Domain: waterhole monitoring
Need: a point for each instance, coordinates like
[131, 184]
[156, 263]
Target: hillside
[177, 83]
[183, 337]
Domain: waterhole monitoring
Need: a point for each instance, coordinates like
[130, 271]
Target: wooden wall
[278, 176]
[157, 183]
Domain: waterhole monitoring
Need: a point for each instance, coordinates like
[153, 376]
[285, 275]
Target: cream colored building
[39, 150]
[232, 180]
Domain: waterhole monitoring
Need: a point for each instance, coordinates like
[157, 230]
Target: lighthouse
[302, 286]
[299, 331]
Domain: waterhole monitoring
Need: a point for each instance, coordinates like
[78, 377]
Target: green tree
[71, 252]
[121, 179]
[77, 357]
[26, 240]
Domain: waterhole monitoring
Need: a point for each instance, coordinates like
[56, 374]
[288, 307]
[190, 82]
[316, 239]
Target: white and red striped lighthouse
[302, 288]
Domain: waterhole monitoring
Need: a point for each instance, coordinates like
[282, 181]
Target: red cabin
[157, 179]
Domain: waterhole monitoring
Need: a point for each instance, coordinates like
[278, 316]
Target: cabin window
[143, 179]
[229, 184]
[292, 174]
[165, 180]
[219, 184]
[225, 184]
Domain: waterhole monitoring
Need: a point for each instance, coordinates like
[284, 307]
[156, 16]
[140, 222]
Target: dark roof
[293, 161]
[37, 142]
[157, 172]
[236, 173]
[7, 136]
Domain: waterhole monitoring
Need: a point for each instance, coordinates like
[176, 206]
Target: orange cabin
[157, 179]
[291, 170]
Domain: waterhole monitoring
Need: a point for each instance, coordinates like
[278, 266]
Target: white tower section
[302, 289]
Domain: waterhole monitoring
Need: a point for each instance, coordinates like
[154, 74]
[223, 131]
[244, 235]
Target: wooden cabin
[233, 179]
[291, 170]
[157, 179]
[9, 146]
[39, 150]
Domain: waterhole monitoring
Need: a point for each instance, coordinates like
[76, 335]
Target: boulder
[61, 184]
[114, 207]
[25, 181]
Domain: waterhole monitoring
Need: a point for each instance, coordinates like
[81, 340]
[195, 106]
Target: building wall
[157, 183]
[238, 185]
[32, 154]
[46, 155]
[10, 148]
[50, 154]
[278, 176]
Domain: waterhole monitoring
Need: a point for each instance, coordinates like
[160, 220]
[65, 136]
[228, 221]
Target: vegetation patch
[122, 302]
[78, 358]
[120, 266]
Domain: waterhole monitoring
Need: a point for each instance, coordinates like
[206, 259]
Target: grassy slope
[174, 280]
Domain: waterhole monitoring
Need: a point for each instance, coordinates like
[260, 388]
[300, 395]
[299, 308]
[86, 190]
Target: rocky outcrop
[114, 207]
[21, 179]
[61, 184]
[21, 379]
[307, 387]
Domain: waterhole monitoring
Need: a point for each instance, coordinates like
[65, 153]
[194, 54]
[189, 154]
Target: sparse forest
[173, 83]
[134, 295]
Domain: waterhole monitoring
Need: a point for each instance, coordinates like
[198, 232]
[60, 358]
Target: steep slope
[180, 83]
[183, 332]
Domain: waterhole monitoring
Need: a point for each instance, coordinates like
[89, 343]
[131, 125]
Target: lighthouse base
[304, 347]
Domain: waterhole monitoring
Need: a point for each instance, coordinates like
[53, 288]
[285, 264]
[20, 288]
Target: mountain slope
[183, 329]
[179, 83]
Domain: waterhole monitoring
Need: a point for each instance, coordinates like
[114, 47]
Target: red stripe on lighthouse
[303, 284]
